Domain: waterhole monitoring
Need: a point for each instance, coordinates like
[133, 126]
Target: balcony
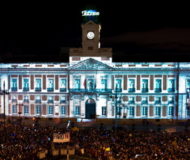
[14, 89]
[62, 89]
[50, 101]
[37, 89]
[14, 100]
[118, 90]
[37, 101]
[25, 89]
[62, 101]
[144, 102]
[26, 100]
[171, 102]
[144, 90]
[158, 102]
[50, 89]
[91, 90]
[171, 89]
[131, 102]
[157, 90]
[131, 90]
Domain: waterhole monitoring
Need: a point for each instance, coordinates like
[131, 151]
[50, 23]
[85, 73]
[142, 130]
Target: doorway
[90, 108]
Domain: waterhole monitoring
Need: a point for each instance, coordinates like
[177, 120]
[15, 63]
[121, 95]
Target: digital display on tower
[90, 13]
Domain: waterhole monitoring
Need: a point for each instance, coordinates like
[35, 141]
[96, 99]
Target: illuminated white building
[91, 85]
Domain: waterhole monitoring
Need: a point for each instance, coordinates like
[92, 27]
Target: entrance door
[90, 109]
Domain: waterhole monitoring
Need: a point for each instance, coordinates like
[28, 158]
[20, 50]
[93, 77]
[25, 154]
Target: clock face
[90, 35]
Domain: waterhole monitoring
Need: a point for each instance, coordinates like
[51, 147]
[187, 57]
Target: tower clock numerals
[90, 35]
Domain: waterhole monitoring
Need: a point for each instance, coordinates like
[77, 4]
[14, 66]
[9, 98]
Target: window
[170, 110]
[38, 109]
[158, 85]
[188, 111]
[63, 110]
[145, 85]
[63, 85]
[104, 83]
[157, 100]
[26, 109]
[131, 111]
[118, 85]
[131, 85]
[14, 109]
[104, 111]
[188, 83]
[25, 84]
[118, 111]
[50, 99]
[50, 84]
[77, 110]
[50, 109]
[77, 83]
[144, 111]
[63, 99]
[38, 85]
[26, 99]
[131, 100]
[171, 100]
[171, 85]
[14, 98]
[91, 84]
[144, 100]
[14, 85]
[158, 111]
[38, 99]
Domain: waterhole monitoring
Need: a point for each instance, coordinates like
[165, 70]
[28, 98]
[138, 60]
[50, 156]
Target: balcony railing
[171, 102]
[171, 89]
[62, 101]
[25, 89]
[38, 101]
[50, 101]
[26, 100]
[132, 102]
[118, 90]
[62, 89]
[144, 89]
[14, 100]
[158, 90]
[92, 90]
[37, 89]
[144, 102]
[50, 89]
[157, 102]
[131, 90]
[14, 89]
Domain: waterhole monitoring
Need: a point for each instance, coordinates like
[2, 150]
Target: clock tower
[90, 40]
[91, 36]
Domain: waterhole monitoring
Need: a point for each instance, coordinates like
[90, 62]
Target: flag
[85, 83]
[61, 138]
[95, 85]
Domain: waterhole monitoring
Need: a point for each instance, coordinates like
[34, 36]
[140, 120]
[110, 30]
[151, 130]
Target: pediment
[91, 64]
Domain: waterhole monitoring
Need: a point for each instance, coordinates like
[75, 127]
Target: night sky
[32, 32]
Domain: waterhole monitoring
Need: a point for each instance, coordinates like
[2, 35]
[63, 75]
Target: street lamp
[4, 92]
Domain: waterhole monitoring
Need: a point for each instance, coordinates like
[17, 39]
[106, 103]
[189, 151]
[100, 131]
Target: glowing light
[90, 13]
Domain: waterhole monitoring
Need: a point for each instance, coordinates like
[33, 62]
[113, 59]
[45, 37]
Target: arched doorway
[90, 108]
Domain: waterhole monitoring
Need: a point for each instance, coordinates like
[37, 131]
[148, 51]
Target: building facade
[92, 86]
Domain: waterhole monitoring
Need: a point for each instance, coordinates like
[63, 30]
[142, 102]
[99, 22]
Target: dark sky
[136, 31]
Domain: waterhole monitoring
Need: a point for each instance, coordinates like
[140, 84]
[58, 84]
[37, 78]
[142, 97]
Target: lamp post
[4, 116]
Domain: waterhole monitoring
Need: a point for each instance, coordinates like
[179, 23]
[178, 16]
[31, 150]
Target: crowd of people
[25, 142]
